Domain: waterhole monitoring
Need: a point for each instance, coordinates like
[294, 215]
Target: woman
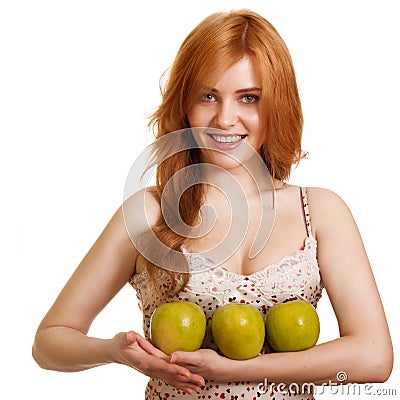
[230, 112]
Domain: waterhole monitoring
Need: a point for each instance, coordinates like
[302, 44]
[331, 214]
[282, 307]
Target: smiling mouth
[227, 138]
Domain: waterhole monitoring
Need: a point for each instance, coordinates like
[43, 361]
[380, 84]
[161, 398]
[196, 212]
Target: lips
[227, 138]
[226, 141]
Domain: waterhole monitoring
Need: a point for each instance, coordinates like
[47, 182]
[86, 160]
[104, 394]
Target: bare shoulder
[328, 209]
[140, 211]
[324, 199]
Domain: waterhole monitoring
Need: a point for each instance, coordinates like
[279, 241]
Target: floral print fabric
[293, 277]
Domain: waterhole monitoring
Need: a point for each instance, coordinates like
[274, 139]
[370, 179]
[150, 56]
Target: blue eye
[249, 98]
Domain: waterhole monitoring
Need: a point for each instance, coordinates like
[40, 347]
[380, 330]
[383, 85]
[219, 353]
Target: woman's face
[229, 117]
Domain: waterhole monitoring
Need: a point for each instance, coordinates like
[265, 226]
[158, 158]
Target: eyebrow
[245, 90]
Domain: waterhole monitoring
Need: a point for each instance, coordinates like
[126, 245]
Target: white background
[77, 80]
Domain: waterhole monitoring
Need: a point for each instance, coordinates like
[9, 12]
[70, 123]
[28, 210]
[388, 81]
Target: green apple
[177, 326]
[292, 326]
[238, 330]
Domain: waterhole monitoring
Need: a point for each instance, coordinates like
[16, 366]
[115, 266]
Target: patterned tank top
[295, 276]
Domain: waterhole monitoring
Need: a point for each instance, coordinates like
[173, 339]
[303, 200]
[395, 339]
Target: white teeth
[226, 139]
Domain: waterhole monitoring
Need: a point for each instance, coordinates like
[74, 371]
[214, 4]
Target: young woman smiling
[232, 97]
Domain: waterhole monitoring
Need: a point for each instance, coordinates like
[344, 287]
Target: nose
[226, 115]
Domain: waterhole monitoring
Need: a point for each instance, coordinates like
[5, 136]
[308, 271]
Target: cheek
[257, 127]
[250, 114]
[252, 122]
[197, 116]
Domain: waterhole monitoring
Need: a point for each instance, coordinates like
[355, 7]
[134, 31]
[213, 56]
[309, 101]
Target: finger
[149, 348]
[185, 358]
[197, 380]
[184, 375]
[180, 377]
[191, 361]
[191, 377]
[131, 337]
[181, 373]
[160, 367]
[126, 338]
[192, 388]
[196, 387]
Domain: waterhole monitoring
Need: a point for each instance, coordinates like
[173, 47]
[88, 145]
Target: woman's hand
[136, 352]
[204, 362]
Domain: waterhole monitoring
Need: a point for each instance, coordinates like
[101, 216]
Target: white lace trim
[292, 274]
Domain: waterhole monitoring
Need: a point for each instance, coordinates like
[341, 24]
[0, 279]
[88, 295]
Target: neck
[252, 176]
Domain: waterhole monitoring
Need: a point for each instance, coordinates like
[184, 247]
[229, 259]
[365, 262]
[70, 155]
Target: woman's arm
[105, 269]
[363, 351]
[61, 342]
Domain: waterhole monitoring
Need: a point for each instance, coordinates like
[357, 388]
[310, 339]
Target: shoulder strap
[306, 212]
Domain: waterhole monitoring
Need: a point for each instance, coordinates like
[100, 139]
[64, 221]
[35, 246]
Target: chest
[244, 238]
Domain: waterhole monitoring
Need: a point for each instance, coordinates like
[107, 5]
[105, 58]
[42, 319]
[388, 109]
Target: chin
[221, 160]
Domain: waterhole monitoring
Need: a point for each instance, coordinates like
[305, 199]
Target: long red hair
[212, 47]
